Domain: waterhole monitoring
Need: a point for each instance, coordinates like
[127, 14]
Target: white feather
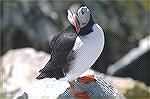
[88, 48]
[78, 44]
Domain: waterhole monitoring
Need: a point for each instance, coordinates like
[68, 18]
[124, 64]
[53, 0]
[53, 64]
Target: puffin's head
[78, 15]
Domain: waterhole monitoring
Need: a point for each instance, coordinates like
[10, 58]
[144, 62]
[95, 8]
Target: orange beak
[76, 23]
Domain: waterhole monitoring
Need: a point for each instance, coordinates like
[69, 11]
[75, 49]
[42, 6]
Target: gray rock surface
[52, 89]
[21, 66]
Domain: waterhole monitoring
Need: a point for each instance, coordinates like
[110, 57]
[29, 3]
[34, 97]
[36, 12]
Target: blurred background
[126, 24]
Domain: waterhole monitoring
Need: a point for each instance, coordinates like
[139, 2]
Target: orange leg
[73, 90]
[86, 79]
[80, 95]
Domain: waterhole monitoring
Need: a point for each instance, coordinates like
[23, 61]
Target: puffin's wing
[61, 48]
[53, 41]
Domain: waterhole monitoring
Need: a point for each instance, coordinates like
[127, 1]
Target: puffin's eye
[82, 12]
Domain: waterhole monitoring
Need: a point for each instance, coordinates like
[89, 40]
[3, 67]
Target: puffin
[75, 49]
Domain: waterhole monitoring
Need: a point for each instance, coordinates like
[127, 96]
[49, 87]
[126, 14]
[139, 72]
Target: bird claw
[86, 79]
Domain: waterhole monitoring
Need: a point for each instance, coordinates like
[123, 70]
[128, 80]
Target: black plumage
[61, 54]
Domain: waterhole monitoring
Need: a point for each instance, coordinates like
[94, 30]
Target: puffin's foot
[82, 95]
[86, 79]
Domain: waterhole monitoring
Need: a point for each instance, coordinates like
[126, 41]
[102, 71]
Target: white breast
[87, 48]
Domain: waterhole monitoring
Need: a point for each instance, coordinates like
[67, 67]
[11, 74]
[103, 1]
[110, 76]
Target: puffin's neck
[87, 28]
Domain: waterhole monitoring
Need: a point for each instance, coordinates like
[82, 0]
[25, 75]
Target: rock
[52, 89]
[45, 88]
[129, 87]
[21, 66]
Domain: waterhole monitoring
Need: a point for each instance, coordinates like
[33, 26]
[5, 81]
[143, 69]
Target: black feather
[61, 55]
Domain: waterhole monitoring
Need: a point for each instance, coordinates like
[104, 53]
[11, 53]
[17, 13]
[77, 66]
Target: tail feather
[41, 70]
[58, 73]
[47, 67]
[41, 76]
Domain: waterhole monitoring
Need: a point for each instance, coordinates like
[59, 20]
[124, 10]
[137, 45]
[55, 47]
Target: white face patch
[78, 43]
[70, 16]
